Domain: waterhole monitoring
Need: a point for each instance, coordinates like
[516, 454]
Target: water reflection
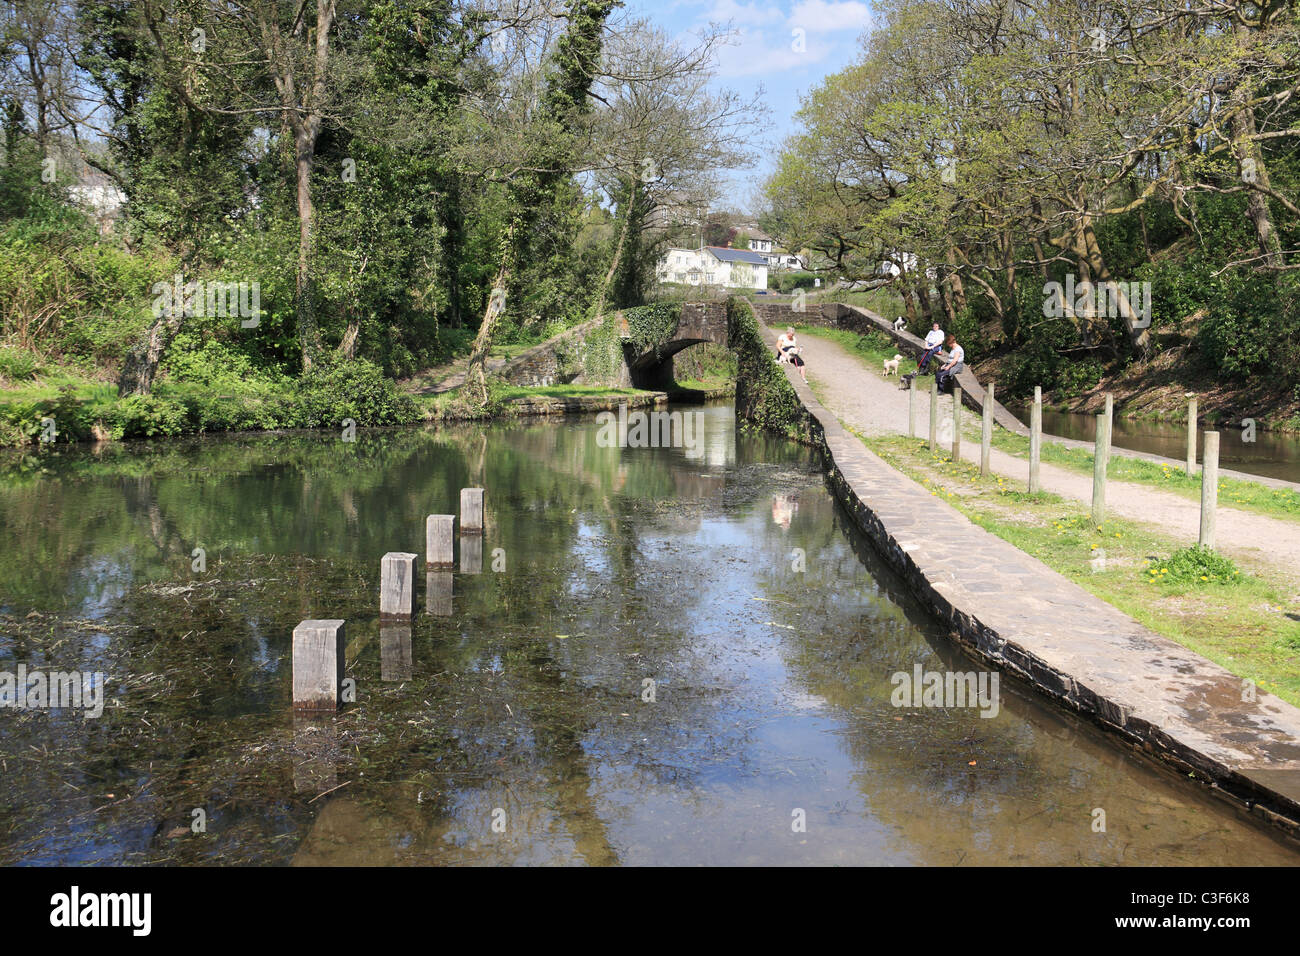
[509, 721]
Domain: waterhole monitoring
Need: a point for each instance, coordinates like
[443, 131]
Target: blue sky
[765, 51]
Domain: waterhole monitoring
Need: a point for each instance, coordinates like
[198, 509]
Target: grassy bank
[1236, 617]
[1247, 495]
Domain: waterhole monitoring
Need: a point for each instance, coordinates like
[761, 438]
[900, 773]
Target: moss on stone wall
[764, 397]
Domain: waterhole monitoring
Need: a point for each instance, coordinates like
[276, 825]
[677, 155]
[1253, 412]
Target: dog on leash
[900, 323]
[891, 365]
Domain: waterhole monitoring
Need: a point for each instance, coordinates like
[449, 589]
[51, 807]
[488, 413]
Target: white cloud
[819, 16]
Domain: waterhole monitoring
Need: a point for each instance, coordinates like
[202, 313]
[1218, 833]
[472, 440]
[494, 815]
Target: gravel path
[872, 405]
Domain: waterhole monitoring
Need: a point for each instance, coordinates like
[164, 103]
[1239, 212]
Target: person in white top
[787, 350]
[956, 360]
[933, 342]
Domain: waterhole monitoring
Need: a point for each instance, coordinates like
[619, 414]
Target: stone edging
[548, 405]
[1017, 614]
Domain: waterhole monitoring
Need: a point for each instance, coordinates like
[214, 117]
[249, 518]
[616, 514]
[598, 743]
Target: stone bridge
[700, 322]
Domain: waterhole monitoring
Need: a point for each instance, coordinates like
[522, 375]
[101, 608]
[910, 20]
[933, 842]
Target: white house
[713, 265]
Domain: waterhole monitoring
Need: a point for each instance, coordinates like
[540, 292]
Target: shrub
[17, 364]
[356, 390]
[1193, 567]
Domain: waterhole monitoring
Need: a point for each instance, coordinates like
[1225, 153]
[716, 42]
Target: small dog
[900, 323]
[891, 365]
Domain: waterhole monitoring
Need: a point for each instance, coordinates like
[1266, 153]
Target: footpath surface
[876, 406]
[1019, 614]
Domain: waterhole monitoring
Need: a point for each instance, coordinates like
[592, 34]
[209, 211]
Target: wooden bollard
[471, 511]
[1035, 439]
[1099, 462]
[934, 414]
[437, 593]
[317, 665]
[986, 430]
[395, 663]
[471, 554]
[397, 584]
[911, 408]
[1209, 488]
[439, 540]
[1191, 437]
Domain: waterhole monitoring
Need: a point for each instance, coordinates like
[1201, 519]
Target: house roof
[736, 255]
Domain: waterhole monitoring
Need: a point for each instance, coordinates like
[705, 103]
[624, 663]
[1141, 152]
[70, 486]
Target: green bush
[17, 364]
[1193, 567]
[356, 390]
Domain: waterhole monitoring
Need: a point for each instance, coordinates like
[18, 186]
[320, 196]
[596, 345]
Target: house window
[709, 278]
[681, 277]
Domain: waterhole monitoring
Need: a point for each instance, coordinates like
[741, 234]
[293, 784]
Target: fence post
[471, 510]
[1035, 438]
[934, 414]
[1209, 488]
[1110, 422]
[1099, 462]
[911, 408]
[986, 430]
[956, 424]
[1191, 437]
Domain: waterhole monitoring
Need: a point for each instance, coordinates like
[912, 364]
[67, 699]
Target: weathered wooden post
[438, 543]
[317, 665]
[956, 424]
[395, 652]
[471, 511]
[911, 408]
[397, 584]
[437, 593]
[986, 430]
[1209, 488]
[934, 414]
[1035, 438]
[1191, 436]
[1099, 462]
[471, 554]
[1110, 422]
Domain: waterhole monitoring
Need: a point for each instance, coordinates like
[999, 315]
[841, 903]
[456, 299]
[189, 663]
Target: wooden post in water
[1035, 438]
[471, 511]
[437, 593]
[1209, 488]
[471, 554]
[317, 665]
[956, 424]
[934, 414]
[1191, 436]
[911, 408]
[1099, 462]
[438, 543]
[397, 584]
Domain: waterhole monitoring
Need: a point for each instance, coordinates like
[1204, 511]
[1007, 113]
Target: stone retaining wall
[1018, 615]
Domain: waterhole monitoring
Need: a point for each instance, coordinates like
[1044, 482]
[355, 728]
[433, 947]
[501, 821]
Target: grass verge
[1236, 617]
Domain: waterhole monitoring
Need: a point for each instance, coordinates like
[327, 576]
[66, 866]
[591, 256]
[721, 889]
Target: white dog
[891, 365]
[900, 323]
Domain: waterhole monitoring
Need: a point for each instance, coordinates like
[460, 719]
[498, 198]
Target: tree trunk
[628, 213]
[304, 307]
[141, 364]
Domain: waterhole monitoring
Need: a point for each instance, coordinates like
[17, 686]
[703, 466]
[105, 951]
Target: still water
[516, 723]
[1271, 454]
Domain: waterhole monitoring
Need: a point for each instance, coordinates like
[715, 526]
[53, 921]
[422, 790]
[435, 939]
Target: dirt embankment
[1158, 389]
